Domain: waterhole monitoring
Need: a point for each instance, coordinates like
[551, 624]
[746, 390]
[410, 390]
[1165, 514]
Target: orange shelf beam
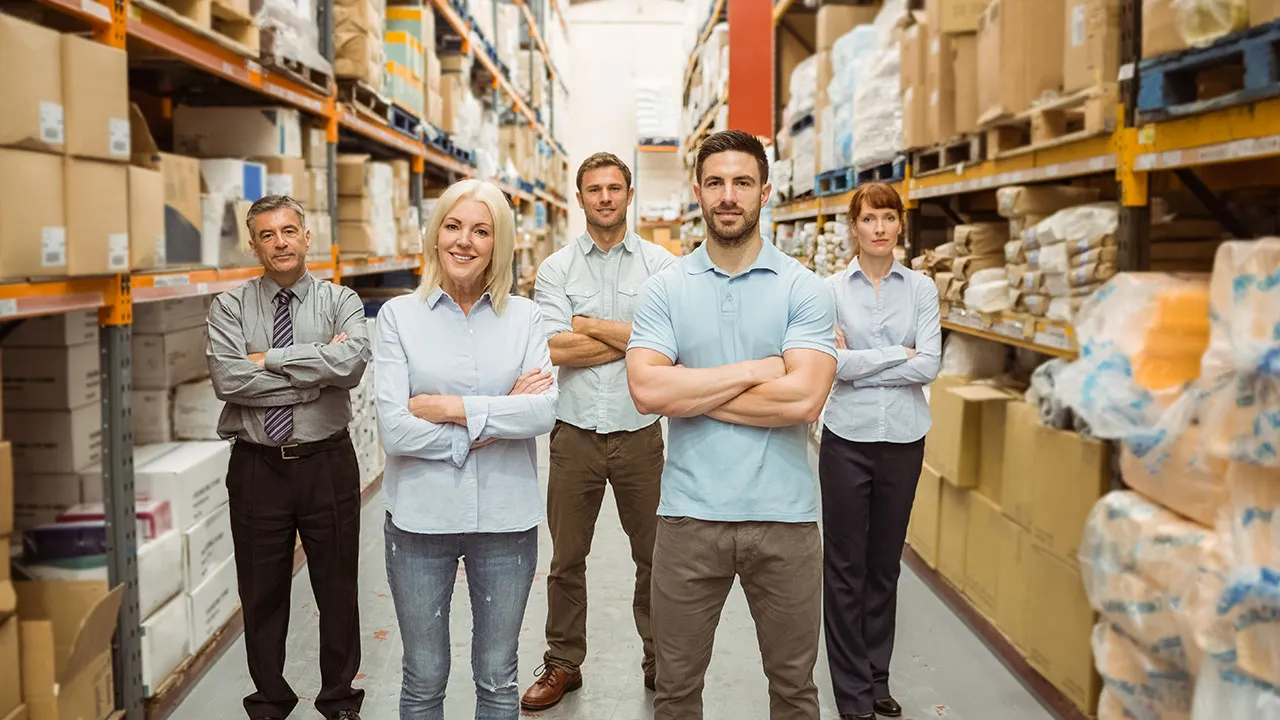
[167, 284]
[23, 300]
[95, 13]
[380, 265]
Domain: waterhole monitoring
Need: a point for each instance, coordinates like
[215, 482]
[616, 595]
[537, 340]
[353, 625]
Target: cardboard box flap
[94, 635]
[67, 605]
[980, 393]
[142, 143]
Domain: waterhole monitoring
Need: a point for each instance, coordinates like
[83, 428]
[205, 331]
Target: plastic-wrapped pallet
[1180, 477]
[877, 112]
[1224, 692]
[972, 357]
[804, 161]
[827, 159]
[292, 33]
[848, 54]
[657, 108]
[357, 41]
[1147, 688]
[780, 178]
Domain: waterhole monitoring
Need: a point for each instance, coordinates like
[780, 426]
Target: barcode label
[119, 130]
[52, 129]
[8, 307]
[1077, 25]
[1054, 338]
[53, 247]
[161, 252]
[173, 280]
[118, 251]
[281, 184]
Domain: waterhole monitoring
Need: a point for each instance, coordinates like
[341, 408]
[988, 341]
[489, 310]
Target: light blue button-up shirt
[700, 317]
[878, 395]
[435, 483]
[581, 279]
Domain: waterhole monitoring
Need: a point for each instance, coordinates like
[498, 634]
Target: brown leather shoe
[553, 682]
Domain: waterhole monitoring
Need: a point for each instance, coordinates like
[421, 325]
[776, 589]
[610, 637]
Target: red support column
[751, 66]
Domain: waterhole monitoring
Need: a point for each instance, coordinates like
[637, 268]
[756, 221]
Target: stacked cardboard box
[418, 22]
[366, 211]
[315, 196]
[10, 656]
[1020, 55]
[951, 68]
[64, 145]
[357, 36]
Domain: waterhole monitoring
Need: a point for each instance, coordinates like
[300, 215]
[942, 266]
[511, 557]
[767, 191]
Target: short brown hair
[603, 160]
[877, 196]
[728, 141]
[269, 203]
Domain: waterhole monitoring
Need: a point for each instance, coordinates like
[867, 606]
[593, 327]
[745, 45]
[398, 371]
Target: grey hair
[270, 203]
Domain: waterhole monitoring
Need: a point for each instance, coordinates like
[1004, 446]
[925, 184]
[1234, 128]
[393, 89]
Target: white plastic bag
[971, 356]
[877, 103]
[1202, 21]
[988, 297]
[1147, 687]
[1225, 693]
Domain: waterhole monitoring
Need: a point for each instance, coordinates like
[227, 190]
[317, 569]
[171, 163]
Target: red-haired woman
[889, 340]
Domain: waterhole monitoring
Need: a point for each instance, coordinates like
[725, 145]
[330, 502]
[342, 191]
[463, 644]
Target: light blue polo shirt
[700, 317]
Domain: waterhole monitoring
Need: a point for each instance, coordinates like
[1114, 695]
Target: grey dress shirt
[313, 375]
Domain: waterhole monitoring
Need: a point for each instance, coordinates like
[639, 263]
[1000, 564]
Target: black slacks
[273, 501]
[867, 493]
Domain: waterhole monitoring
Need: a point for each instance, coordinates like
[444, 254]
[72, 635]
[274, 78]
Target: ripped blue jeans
[422, 571]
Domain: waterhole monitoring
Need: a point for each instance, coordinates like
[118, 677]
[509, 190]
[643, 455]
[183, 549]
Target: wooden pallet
[366, 101]
[238, 36]
[1084, 114]
[886, 172]
[274, 57]
[1239, 68]
[947, 156]
[405, 121]
[835, 182]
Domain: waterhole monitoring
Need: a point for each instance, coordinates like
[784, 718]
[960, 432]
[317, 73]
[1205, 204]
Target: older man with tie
[284, 351]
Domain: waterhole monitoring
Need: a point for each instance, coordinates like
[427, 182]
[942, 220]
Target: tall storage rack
[118, 23]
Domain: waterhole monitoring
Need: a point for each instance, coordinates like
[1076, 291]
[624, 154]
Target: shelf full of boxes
[1047, 151]
[133, 139]
[705, 95]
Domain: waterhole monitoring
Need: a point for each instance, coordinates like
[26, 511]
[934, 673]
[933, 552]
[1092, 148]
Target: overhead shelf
[551, 200]
[716, 9]
[1024, 331]
[705, 125]
[22, 300]
[540, 43]
[167, 284]
[514, 191]
[380, 265]
[1241, 132]
[1086, 157]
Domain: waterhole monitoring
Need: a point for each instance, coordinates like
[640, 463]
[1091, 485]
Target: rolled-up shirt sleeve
[403, 433]
[517, 417]
[548, 292]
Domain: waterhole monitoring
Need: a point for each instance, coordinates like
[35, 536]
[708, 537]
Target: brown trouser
[582, 461]
[780, 568]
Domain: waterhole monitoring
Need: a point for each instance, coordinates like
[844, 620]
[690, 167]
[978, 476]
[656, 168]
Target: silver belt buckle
[284, 452]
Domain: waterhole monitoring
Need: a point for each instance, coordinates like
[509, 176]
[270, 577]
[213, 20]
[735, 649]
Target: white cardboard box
[206, 546]
[157, 318]
[159, 571]
[91, 477]
[55, 378]
[61, 330]
[192, 477]
[55, 441]
[196, 409]
[152, 417]
[210, 605]
[166, 642]
[163, 361]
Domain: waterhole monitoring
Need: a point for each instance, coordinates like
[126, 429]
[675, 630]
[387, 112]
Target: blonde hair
[499, 275]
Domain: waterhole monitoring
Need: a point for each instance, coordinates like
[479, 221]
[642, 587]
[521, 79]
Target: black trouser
[867, 493]
[273, 501]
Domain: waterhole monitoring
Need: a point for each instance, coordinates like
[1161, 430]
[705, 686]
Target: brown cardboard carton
[19, 713]
[1160, 34]
[989, 533]
[31, 87]
[1020, 55]
[355, 209]
[318, 193]
[953, 533]
[1059, 628]
[965, 51]
[352, 175]
[315, 147]
[61, 330]
[146, 218]
[95, 88]
[922, 532]
[940, 83]
[51, 378]
[167, 360]
[835, 21]
[10, 666]
[286, 176]
[1012, 592]
[54, 441]
[954, 16]
[915, 118]
[914, 58]
[356, 237]
[6, 488]
[1073, 474]
[1022, 435]
[1092, 44]
[451, 101]
[33, 224]
[8, 596]
[1263, 11]
[957, 434]
[182, 210]
[97, 197]
[66, 630]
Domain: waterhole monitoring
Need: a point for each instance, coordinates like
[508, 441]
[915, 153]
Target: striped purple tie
[280, 419]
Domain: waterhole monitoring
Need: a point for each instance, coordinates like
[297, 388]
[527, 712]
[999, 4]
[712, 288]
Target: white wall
[611, 43]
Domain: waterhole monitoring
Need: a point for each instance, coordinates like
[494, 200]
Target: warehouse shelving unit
[120, 23]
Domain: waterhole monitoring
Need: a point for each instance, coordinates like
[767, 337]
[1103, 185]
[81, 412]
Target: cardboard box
[355, 209]
[287, 176]
[989, 534]
[166, 316]
[953, 533]
[209, 132]
[10, 666]
[1020, 55]
[1073, 473]
[152, 417]
[922, 532]
[181, 174]
[166, 642]
[210, 605]
[233, 179]
[30, 87]
[91, 477]
[357, 237]
[225, 240]
[191, 476]
[914, 59]
[146, 219]
[955, 445]
[206, 546]
[165, 361]
[8, 596]
[353, 175]
[1092, 45]
[97, 198]
[19, 713]
[54, 331]
[315, 147]
[33, 216]
[954, 16]
[1263, 11]
[1059, 628]
[1021, 463]
[66, 631]
[835, 21]
[451, 89]
[55, 441]
[95, 90]
[318, 193]
[52, 378]
[965, 51]
[1012, 594]
[8, 494]
[39, 499]
[196, 410]
[1160, 33]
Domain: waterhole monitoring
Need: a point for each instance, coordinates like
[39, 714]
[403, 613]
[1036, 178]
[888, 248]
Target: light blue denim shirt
[878, 395]
[434, 481]
[700, 317]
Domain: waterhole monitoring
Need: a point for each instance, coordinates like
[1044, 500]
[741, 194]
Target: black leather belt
[296, 451]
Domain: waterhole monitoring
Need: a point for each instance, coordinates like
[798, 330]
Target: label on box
[118, 251]
[281, 184]
[1077, 25]
[52, 129]
[53, 247]
[161, 251]
[119, 131]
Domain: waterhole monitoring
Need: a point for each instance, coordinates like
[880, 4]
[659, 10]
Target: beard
[619, 220]
[734, 238]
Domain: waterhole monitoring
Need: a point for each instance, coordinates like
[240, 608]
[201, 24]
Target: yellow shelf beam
[1091, 156]
[1241, 132]
[780, 8]
[1024, 331]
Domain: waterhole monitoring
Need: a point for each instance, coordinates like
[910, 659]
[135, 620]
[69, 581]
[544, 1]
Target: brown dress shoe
[553, 682]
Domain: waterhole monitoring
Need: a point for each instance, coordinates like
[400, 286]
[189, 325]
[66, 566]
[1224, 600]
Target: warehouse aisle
[941, 669]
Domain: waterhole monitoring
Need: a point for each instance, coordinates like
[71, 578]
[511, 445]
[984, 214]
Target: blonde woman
[464, 385]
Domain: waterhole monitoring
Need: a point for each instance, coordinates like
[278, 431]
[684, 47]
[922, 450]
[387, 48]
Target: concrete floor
[940, 668]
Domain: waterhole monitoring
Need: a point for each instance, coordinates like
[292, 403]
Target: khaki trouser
[780, 568]
[582, 461]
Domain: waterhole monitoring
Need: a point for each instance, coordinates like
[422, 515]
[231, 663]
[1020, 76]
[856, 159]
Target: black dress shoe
[888, 707]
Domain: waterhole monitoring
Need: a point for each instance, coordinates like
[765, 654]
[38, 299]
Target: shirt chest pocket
[627, 303]
[584, 300]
